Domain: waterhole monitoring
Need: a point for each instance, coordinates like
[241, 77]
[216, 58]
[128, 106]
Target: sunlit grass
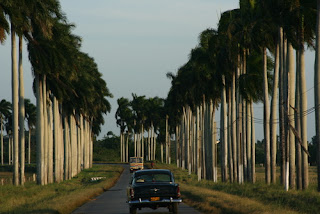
[58, 198]
[220, 197]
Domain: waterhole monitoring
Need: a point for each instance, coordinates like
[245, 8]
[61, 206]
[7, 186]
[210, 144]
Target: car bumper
[147, 201]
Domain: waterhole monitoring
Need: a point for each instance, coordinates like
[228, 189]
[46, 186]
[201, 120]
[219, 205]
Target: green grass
[220, 197]
[61, 197]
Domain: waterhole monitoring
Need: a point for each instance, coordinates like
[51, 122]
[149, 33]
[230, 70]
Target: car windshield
[154, 177]
[136, 160]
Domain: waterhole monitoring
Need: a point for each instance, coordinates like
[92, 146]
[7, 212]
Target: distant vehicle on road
[136, 163]
[153, 188]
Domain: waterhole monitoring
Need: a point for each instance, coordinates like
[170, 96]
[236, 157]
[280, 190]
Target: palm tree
[263, 37]
[45, 73]
[274, 15]
[17, 16]
[8, 127]
[138, 106]
[303, 17]
[228, 61]
[192, 98]
[122, 114]
[14, 106]
[250, 87]
[154, 114]
[5, 108]
[31, 112]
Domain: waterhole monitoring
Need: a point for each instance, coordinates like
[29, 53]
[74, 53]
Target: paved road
[113, 201]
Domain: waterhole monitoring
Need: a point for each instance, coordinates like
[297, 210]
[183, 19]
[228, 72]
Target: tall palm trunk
[81, 142]
[183, 130]
[193, 145]
[199, 160]
[66, 148]
[303, 104]
[167, 139]
[135, 144]
[204, 165]
[230, 149]
[87, 163]
[29, 145]
[253, 147]
[188, 138]
[74, 144]
[244, 118]
[50, 141]
[121, 145]
[154, 146]
[215, 151]
[266, 119]
[177, 146]
[61, 139]
[15, 97]
[142, 141]
[208, 140]
[186, 133]
[281, 105]
[56, 140]
[239, 127]
[39, 130]
[273, 116]
[234, 126]
[303, 110]
[317, 90]
[224, 136]
[249, 141]
[10, 149]
[127, 147]
[21, 115]
[91, 146]
[45, 131]
[149, 144]
[291, 102]
[213, 142]
[244, 139]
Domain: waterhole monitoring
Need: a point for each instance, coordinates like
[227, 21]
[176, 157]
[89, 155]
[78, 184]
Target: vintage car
[153, 188]
[136, 163]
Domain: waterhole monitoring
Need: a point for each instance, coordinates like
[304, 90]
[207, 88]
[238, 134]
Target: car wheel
[175, 208]
[133, 210]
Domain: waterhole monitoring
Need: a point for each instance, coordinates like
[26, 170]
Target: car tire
[133, 210]
[175, 208]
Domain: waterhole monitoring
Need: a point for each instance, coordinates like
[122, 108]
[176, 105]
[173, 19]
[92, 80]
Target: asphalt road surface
[113, 201]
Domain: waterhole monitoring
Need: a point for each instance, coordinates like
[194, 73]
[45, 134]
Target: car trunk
[161, 190]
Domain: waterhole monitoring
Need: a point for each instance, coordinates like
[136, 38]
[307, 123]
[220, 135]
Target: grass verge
[210, 197]
[61, 197]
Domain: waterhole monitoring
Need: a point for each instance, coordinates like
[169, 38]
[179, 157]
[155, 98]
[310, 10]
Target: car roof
[147, 171]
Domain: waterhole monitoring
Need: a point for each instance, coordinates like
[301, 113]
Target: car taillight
[178, 192]
[131, 193]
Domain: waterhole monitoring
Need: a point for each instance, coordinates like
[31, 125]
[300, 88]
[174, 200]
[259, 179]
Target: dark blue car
[153, 188]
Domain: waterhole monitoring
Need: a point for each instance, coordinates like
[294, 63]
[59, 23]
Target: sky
[135, 43]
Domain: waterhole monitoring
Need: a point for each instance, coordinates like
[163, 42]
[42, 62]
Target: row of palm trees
[136, 117]
[6, 124]
[231, 66]
[71, 94]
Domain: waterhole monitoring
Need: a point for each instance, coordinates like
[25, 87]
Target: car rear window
[136, 160]
[156, 177]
